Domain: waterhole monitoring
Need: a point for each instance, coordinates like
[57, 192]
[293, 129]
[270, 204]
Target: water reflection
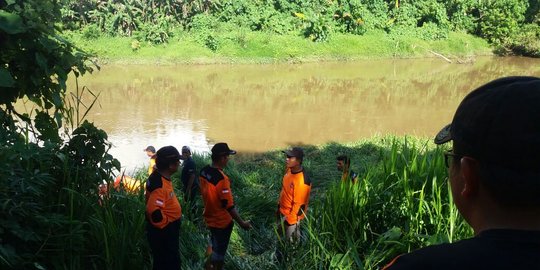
[261, 107]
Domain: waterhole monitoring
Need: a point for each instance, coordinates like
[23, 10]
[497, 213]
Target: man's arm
[246, 225]
[191, 179]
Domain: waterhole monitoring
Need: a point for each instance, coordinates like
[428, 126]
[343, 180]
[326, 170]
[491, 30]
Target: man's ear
[470, 173]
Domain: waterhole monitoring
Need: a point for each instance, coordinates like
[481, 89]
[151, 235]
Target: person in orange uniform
[219, 210]
[294, 196]
[163, 211]
[151, 153]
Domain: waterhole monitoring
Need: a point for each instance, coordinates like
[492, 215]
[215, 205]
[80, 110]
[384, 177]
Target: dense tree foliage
[52, 161]
[156, 21]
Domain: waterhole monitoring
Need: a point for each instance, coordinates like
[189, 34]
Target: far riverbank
[262, 48]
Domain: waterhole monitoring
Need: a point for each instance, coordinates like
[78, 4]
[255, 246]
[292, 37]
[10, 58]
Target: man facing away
[494, 175]
[151, 153]
[294, 196]
[219, 209]
[344, 166]
[163, 211]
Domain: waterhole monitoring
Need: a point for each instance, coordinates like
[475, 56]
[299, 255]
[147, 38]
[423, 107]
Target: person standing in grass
[494, 175]
[219, 209]
[163, 211]
[190, 183]
[151, 153]
[344, 166]
[294, 196]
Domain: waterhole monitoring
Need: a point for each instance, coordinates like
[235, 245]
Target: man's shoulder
[190, 162]
[189, 165]
[212, 175]
[442, 256]
[154, 181]
[472, 253]
[307, 177]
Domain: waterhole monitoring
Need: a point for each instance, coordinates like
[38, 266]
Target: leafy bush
[211, 42]
[526, 41]
[317, 28]
[153, 21]
[500, 18]
[203, 22]
[49, 190]
[91, 32]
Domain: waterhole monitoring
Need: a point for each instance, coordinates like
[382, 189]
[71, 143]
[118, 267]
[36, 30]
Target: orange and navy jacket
[152, 164]
[217, 196]
[162, 206]
[294, 196]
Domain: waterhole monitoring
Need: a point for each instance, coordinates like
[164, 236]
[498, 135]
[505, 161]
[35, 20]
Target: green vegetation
[237, 46]
[401, 203]
[282, 29]
[53, 217]
[53, 159]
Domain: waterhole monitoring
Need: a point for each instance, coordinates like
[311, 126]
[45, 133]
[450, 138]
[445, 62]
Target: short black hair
[342, 158]
[508, 187]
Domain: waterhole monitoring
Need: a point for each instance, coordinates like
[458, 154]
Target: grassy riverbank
[260, 47]
[401, 203]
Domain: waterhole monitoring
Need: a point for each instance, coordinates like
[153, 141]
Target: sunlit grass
[244, 46]
[401, 203]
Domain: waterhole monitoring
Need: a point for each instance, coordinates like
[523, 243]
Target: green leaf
[6, 80]
[11, 23]
[41, 61]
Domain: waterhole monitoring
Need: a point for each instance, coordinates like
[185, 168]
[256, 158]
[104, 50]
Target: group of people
[164, 211]
[494, 176]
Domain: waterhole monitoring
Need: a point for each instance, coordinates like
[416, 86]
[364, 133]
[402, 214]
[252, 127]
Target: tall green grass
[401, 202]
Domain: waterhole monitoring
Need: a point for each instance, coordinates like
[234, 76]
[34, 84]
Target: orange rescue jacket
[217, 196]
[162, 206]
[294, 196]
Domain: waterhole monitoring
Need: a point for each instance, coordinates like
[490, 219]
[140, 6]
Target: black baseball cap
[150, 148]
[167, 153]
[296, 152]
[222, 149]
[499, 123]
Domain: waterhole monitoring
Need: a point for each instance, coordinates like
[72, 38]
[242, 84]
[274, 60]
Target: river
[257, 108]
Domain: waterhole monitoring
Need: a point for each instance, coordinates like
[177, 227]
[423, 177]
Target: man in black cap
[494, 174]
[294, 195]
[163, 211]
[219, 209]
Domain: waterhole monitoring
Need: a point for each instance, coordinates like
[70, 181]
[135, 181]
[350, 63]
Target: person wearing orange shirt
[151, 153]
[294, 196]
[219, 210]
[163, 211]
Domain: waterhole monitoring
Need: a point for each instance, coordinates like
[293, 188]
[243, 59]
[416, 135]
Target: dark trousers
[220, 241]
[165, 246]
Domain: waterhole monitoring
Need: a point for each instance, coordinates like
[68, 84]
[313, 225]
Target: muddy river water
[256, 108]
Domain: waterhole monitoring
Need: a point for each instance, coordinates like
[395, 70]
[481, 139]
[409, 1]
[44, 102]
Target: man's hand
[246, 225]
